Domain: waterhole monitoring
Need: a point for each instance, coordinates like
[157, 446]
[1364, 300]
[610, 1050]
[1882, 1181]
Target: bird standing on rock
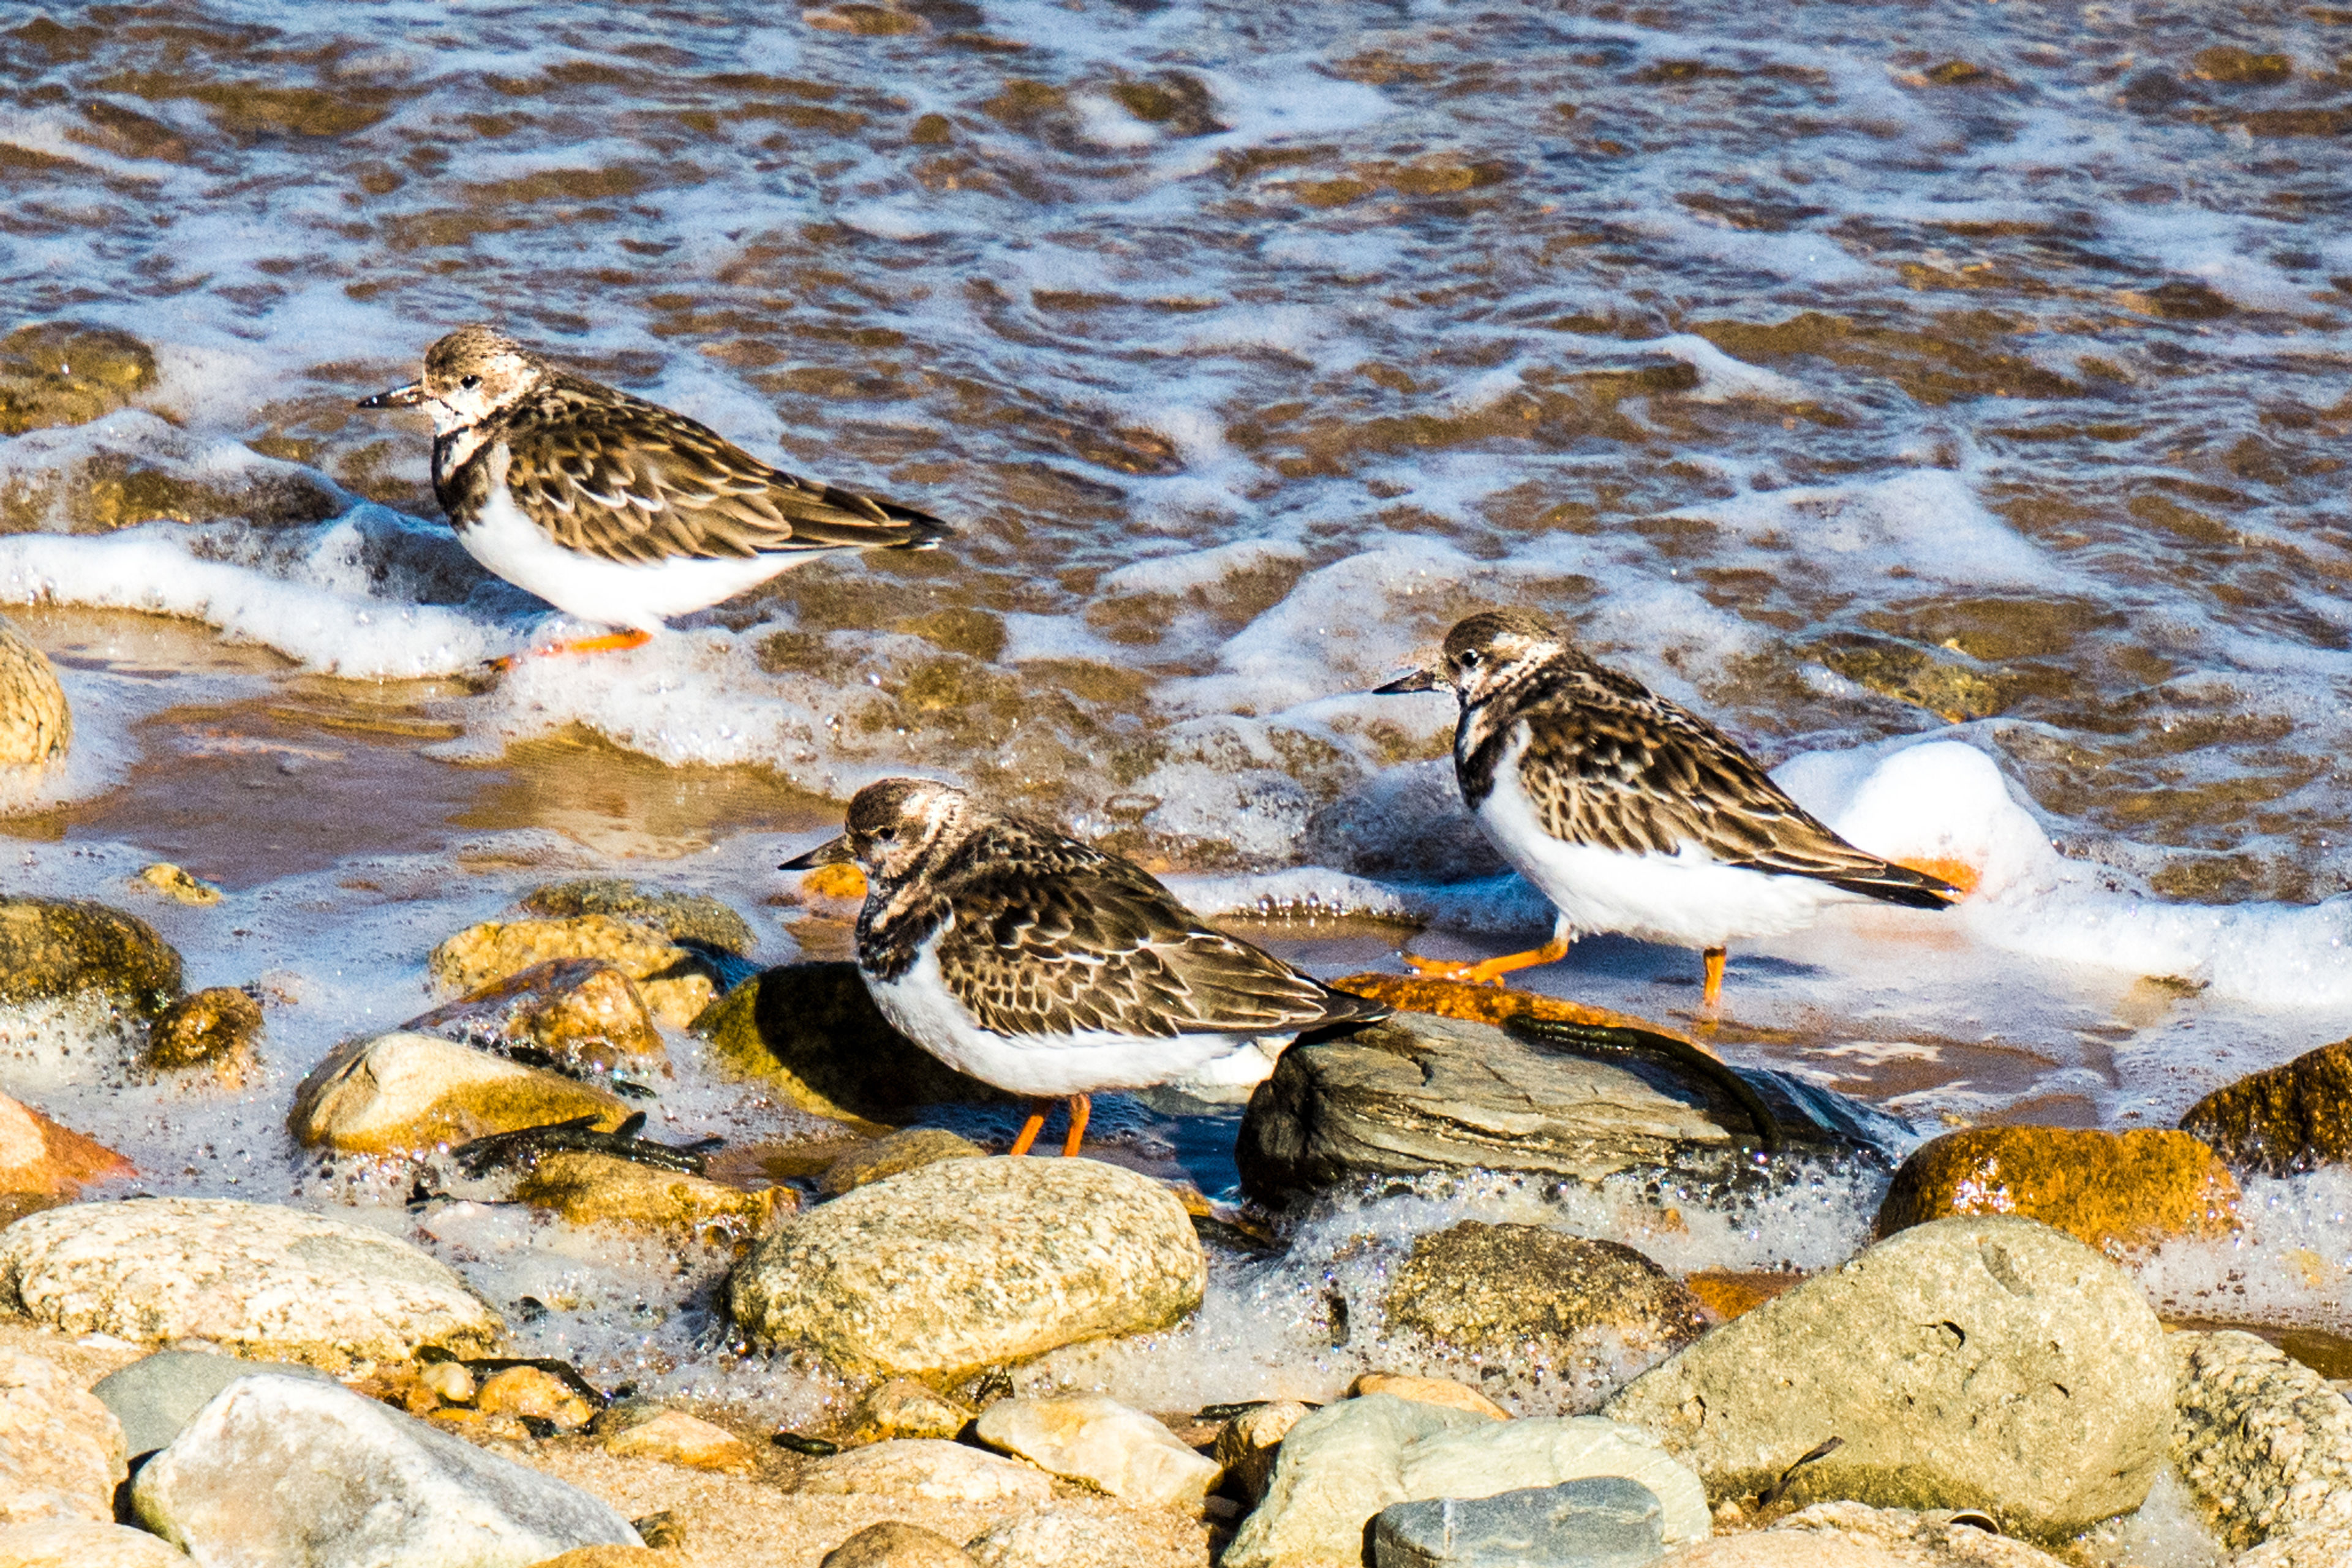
[1048, 968]
[614, 508]
[1628, 813]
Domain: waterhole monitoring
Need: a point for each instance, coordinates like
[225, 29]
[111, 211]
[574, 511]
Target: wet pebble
[681, 917]
[676, 983]
[583, 1015]
[35, 722]
[528, 1393]
[60, 948]
[180, 885]
[2114, 1190]
[2286, 1118]
[403, 1092]
[1094, 1438]
[588, 1188]
[218, 1029]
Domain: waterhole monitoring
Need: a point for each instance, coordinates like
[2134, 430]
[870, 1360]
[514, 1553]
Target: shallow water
[1863, 375]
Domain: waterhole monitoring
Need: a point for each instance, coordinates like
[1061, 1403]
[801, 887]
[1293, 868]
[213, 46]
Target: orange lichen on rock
[1486, 1004]
[2114, 1190]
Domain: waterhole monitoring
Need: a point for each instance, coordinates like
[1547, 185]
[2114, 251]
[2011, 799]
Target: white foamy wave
[1927, 521]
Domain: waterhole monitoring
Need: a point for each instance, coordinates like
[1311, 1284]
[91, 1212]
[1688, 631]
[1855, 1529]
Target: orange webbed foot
[608, 642]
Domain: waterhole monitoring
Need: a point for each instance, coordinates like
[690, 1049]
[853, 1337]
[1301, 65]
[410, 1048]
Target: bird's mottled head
[469, 375]
[1487, 652]
[895, 824]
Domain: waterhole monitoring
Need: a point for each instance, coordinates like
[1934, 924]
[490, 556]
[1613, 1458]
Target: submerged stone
[271, 1281]
[354, 1484]
[675, 982]
[400, 1093]
[1519, 1292]
[68, 373]
[811, 1030]
[60, 947]
[2289, 1118]
[2114, 1190]
[35, 722]
[1990, 1364]
[973, 1263]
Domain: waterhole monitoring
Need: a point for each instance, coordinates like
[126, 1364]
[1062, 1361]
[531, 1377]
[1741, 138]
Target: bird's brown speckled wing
[1612, 766]
[615, 476]
[1103, 946]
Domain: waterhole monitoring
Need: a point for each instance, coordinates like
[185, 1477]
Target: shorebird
[613, 508]
[1630, 813]
[1050, 969]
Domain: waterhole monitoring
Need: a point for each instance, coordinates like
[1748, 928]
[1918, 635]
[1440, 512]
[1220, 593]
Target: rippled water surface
[1868, 376]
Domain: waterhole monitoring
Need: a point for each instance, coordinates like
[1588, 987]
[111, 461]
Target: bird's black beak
[831, 852]
[1419, 681]
[407, 396]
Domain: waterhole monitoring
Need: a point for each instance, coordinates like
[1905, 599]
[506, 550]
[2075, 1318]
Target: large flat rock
[1420, 1092]
[273, 1282]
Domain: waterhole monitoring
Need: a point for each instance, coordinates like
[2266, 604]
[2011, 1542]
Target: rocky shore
[1984, 1383]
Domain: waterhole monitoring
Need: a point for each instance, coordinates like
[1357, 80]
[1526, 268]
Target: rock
[38, 1156]
[897, 1545]
[604, 1189]
[398, 1093]
[77, 1543]
[1851, 1535]
[609, 1557]
[214, 1028]
[2288, 1119]
[973, 1263]
[580, 1015]
[68, 373]
[57, 947]
[180, 885]
[353, 1482]
[1062, 1537]
[1427, 1391]
[1092, 1437]
[901, 1407]
[61, 1452]
[1418, 1093]
[907, 1151]
[811, 1031]
[925, 1467]
[1600, 1522]
[526, 1391]
[1730, 1294]
[1247, 1446]
[2316, 1546]
[36, 723]
[676, 1438]
[2264, 1442]
[270, 1281]
[447, 1380]
[1523, 1296]
[156, 1397]
[681, 917]
[674, 983]
[2114, 1190]
[1341, 1465]
[1989, 1362]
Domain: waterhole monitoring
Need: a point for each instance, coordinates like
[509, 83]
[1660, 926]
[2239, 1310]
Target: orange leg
[1080, 1108]
[1029, 1131]
[1713, 997]
[609, 642]
[1490, 973]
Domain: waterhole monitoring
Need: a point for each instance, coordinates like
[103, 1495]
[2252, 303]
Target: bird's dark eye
[1470, 659]
[885, 834]
[471, 381]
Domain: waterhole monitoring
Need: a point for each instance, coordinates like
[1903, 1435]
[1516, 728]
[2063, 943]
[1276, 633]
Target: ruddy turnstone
[1049, 969]
[1628, 813]
[614, 508]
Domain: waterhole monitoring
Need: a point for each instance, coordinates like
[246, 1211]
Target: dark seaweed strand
[1613, 1040]
[580, 1134]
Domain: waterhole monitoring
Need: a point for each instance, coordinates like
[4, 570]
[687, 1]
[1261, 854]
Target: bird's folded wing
[1642, 776]
[635, 483]
[1104, 950]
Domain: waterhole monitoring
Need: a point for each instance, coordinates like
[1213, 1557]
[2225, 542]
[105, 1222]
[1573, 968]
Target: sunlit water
[1863, 375]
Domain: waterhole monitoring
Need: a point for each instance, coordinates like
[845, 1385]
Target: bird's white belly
[920, 1006]
[1685, 898]
[504, 539]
